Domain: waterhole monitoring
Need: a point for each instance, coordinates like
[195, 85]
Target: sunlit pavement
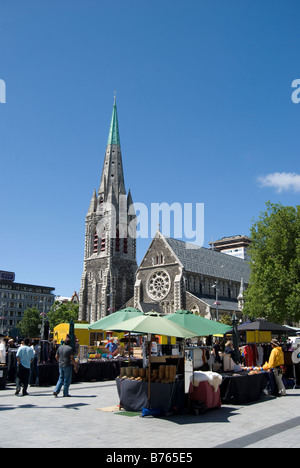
[89, 419]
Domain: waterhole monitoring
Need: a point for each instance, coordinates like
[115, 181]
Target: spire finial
[115, 96]
[113, 137]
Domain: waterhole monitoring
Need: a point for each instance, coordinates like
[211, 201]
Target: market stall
[158, 388]
[205, 388]
[255, 339]
[110, 320]
[84, 335]
[165, 397]
[243, 387]
[201, 386]
[248, 381]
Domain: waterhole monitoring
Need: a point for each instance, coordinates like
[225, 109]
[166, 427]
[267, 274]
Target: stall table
[134, 395]
[101, 370]
[48, 374]
[205, 393]
[243, 388]
[89, 371]
[3, 377]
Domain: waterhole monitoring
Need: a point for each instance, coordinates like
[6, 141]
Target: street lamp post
[2, 319]
[110, 295]
[235, 337]
[43, 318]
[217, 303]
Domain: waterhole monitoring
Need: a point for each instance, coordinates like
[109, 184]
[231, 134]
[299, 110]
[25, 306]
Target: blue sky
[204, 106]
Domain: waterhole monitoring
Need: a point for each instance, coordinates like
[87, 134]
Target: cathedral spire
[110, 248]
[114, 136]
[112, 179]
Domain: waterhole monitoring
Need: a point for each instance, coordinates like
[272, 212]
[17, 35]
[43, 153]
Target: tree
[274, 287]
[226, 319]
[30, 323]
[62, 313]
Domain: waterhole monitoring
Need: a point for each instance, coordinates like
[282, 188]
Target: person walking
[25, 356]
[65, 358]
[275, 363]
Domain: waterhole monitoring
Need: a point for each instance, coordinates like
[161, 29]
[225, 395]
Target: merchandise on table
[253, 370]
[164, 374]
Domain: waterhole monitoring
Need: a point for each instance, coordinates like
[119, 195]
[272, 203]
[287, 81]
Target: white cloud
[281, 181]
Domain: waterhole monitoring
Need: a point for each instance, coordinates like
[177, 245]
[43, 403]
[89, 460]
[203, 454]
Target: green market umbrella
[198, 324]
[114, 318]
[154, 324]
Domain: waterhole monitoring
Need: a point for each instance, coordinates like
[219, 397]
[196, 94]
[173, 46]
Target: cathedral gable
[159, 253]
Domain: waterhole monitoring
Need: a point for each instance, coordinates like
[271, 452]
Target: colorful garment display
[255, 354]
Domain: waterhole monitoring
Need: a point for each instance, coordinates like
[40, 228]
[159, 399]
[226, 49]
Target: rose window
[159, 285]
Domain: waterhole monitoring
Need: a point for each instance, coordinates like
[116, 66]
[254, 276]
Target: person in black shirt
[65, 358]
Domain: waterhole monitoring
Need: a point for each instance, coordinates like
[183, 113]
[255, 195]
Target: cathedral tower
[110, 263]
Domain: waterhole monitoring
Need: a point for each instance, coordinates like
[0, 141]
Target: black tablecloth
[100, 370]
[3, 377]
[243, 388]
[134, 395]
[48, 374]
[97, 371]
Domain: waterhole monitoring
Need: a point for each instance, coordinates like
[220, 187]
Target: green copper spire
[113, 136]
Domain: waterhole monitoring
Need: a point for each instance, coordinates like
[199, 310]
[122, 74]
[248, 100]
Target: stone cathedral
[172, 275]
[110, 264]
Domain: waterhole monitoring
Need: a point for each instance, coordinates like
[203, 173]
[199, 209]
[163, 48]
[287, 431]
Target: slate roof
[224, 303]
[208, 262]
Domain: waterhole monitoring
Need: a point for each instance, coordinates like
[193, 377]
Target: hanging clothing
[260, 355]
[248, 356]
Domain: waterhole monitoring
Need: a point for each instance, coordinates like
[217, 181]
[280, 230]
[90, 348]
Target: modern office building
[236, 246]
[15, 298]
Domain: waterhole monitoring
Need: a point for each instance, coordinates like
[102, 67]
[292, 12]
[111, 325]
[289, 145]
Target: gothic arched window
[95, 243]
[102, 248]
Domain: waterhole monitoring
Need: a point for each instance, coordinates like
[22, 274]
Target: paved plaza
[89, 420]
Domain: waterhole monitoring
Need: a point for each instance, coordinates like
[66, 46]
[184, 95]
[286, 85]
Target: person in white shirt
[25, 356]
